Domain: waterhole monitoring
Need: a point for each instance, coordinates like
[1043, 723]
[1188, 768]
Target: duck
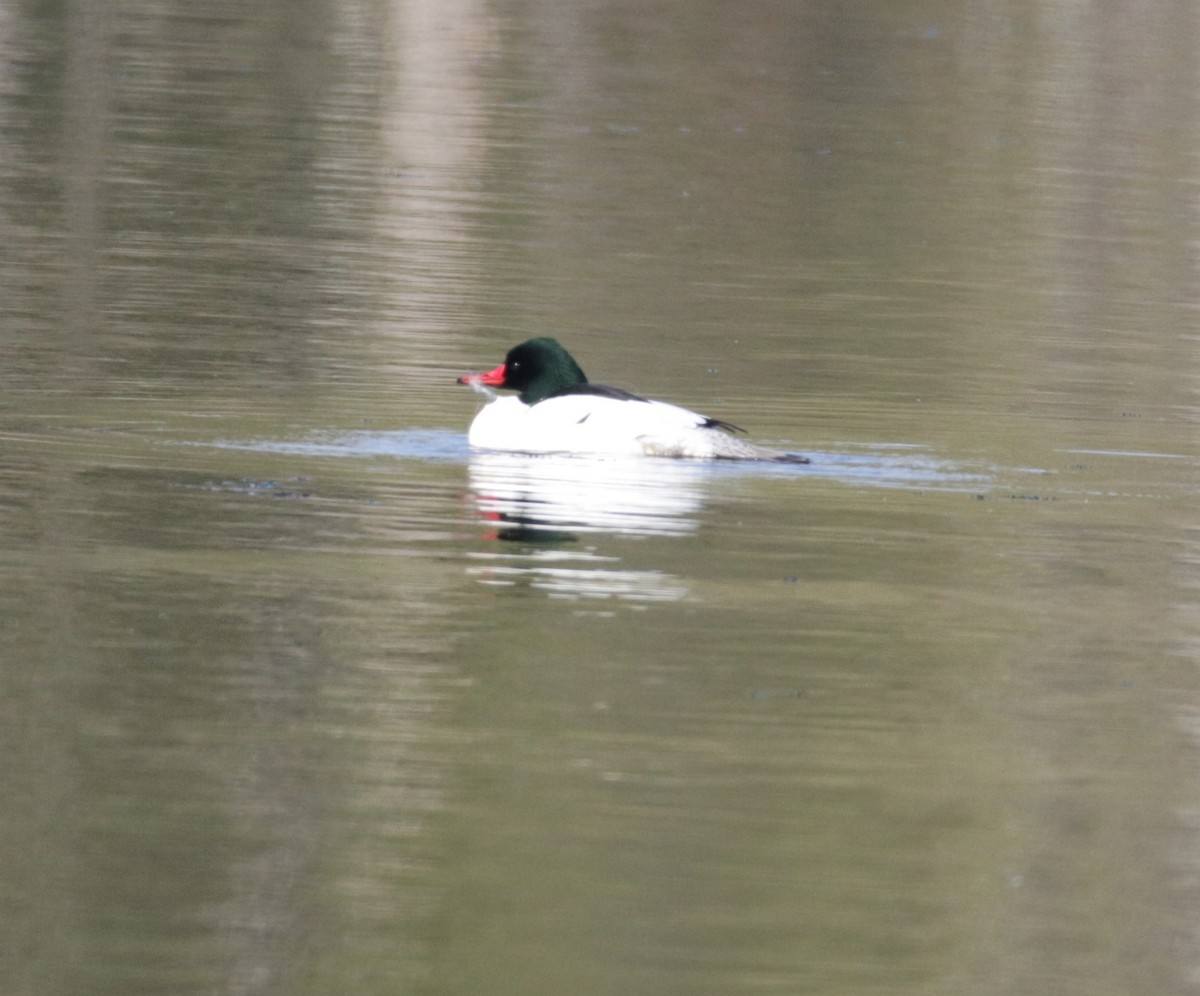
[558, 410]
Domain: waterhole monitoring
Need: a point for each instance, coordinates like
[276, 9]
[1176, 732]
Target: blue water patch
[888, 466]
[884, 466]
[442, 445]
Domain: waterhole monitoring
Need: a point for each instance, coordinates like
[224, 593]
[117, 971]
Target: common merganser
[559, 411]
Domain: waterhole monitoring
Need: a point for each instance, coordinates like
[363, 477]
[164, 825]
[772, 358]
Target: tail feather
[732, 448]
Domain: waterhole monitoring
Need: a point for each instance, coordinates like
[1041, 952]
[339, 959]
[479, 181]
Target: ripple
[881, 465]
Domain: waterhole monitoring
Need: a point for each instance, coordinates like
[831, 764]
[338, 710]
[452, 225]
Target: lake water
[301, 696]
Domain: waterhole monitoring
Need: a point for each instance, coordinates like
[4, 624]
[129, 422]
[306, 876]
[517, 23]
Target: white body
[598, 425]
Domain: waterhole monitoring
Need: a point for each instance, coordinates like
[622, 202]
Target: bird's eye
[514, 364]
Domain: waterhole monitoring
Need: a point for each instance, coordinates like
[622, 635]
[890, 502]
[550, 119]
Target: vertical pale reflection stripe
[433, 122]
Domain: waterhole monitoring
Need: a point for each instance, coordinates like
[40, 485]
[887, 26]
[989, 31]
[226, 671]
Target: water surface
[300, 695]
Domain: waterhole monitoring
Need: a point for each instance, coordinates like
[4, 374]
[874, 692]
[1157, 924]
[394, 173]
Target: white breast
[582, 423]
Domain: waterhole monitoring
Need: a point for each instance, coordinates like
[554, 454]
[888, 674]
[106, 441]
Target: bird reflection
[541, 507]
[554, 499]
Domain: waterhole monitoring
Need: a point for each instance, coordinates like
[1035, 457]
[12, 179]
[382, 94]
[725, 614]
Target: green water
[299, 696]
